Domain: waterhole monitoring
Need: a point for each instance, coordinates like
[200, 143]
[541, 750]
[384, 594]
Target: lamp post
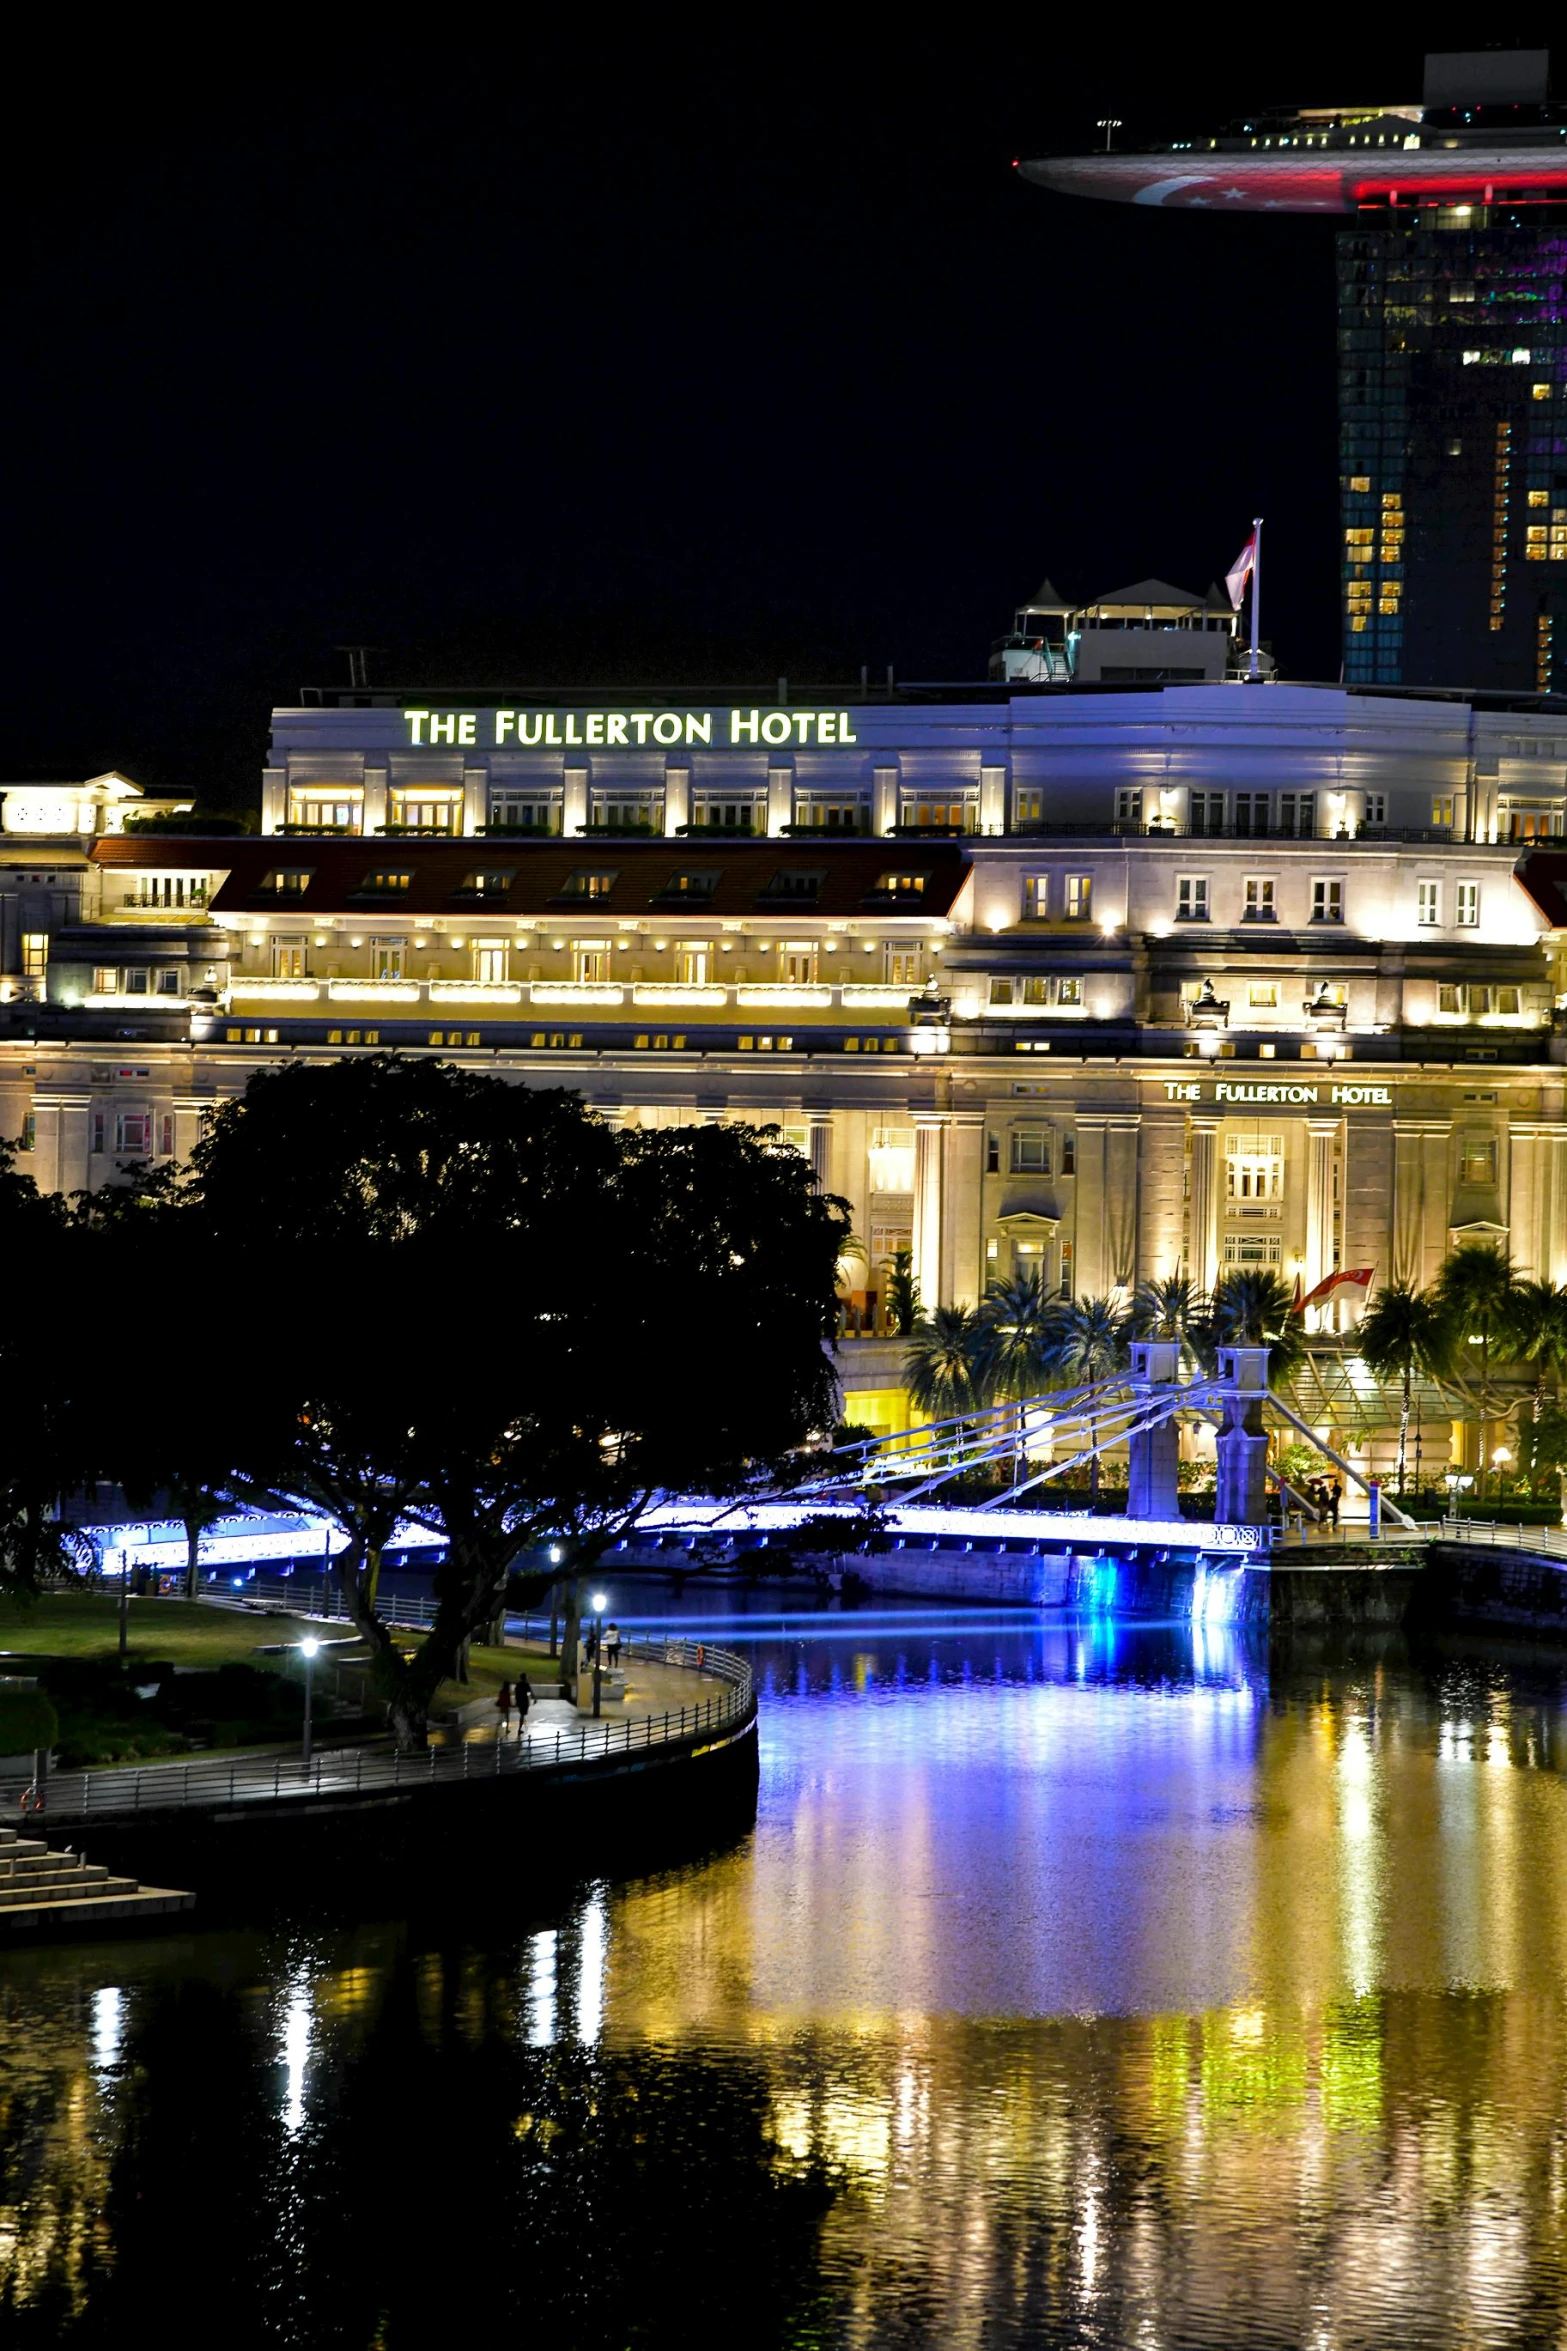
[600, 1603]
[307, 1650]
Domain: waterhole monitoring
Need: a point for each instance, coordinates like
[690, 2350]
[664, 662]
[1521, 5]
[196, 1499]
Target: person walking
[524, 1702]
[612, 1644]
[1335, 1497]
[503, 1707]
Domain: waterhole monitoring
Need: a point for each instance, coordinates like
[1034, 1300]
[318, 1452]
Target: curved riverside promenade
[648, 1772]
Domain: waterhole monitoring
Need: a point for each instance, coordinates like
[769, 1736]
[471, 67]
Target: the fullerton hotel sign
[1302, 1095]
[535, 730]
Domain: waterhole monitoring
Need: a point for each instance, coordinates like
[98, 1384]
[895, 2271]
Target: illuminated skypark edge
[1344, 159]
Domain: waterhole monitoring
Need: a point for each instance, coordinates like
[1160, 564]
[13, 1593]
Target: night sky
[633, 359]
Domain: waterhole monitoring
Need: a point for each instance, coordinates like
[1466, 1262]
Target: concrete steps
[55, 1891]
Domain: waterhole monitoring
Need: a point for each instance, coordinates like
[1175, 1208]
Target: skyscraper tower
[1452, 346]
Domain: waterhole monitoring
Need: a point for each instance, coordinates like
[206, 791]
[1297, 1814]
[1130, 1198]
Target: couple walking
[506, 1699]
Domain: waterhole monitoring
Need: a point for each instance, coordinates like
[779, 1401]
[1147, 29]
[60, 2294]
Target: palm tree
[1475, 1296]
[943, 1370]
[1019, 1324]
[903, 1292]
[1537, 1331]
[1090, 1344]
[1252, 1308]
[1173, 1308]
[1402, 1332]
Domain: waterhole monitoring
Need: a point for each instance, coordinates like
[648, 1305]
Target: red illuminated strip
[1337, 182]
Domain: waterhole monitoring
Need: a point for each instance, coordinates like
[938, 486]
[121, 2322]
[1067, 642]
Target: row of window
[792, 884]
[1192, 903]
[693, 962]
[1289, 815]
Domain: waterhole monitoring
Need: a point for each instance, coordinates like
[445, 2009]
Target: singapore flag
[1241, 570]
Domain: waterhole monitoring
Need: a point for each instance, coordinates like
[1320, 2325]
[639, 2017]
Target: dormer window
[900, 885]
[693, 882]
[589, 882]
[796, 883]
[488, 881]
[386, 881]
[289, 881]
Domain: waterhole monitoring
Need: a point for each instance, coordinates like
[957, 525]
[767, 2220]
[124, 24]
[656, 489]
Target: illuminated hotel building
[1101, 982]
[1452, 353]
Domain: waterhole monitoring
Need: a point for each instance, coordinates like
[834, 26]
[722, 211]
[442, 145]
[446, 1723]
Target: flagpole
[1255, 672]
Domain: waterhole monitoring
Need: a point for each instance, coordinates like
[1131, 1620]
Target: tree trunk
[573, 1634]
[192, 1558]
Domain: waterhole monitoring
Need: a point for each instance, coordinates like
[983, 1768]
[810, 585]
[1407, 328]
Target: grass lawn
[190, 1632]
[87, 1624]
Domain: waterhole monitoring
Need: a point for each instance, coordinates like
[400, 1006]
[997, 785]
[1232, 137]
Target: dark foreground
[1080, 1988]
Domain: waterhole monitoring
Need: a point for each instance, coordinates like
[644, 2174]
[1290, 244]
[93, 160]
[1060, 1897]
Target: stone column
[1437, 1149]
[821, 1150]
[780, 798]
[475, 799]
[1163, 1146]
[927, 1209]
[1120, 1210]
[1321, 1134]
[1203, 1207]
[574, 806]
[1368, 1194]
[1554, 1210]
[962, 1194]
[884, 799]
[1089, 1264]
[374, 811]
[1408, 1200]
[677, 799]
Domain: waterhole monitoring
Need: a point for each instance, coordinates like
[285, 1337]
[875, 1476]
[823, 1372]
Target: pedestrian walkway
[652, 1688]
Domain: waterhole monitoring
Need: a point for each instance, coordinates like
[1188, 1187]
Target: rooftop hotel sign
[586, 730]
[1277, 1096]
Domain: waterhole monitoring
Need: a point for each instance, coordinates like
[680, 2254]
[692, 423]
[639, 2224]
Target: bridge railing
[117, 1793]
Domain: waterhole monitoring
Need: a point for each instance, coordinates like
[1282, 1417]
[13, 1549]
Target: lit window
[1254, 1168]
[1036, 897]
[1477, 1163]
[1259, 898]
[1467, 906]
[490, 959]
[797, 963]
[1539, 497]
[1191, 897]
[1449, 997]
[426, 811]
[35, 954]
[1360, 481]
[1069, 991]
[892, 1159]
[386, 881]
[1263, 995]
[1079, 896]
[1031, 1151]
[386, 959]
[897, 884]
[1428, 902]
[488, 881]
[1327, 901]
[1002, 991]
[324, 812]
[903, 967]
[288, 960]
[589, 960]
[691, 963]
[589, 882]
[106, 980]
[289, 881]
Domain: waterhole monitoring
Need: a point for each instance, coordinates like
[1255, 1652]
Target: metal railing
[1551, 1541]
[147, 1790]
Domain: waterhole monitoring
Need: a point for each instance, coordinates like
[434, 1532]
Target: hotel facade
[1103, 983]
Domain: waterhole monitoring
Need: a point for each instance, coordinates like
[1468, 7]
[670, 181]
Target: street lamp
[307, 1650]
[600, 1603]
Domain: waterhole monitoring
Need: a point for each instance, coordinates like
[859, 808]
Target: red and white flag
[1240, 571]
[1360, 1276]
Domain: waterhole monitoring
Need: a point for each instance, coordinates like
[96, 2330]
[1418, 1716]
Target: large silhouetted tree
[477, 1306]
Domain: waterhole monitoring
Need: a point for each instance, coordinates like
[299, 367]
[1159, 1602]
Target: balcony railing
[806, 996]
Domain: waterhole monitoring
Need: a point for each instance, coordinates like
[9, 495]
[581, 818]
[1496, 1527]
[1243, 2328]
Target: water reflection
[1074, 1988]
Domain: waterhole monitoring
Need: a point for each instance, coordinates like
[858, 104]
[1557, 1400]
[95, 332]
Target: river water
[1077, 1986]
